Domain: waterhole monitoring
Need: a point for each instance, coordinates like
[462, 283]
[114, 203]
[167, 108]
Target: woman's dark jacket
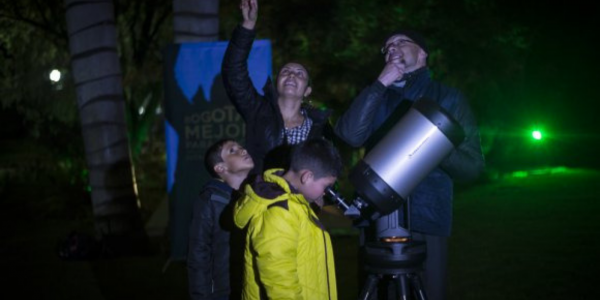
[374, 112]
[211, 270]
[264, 124]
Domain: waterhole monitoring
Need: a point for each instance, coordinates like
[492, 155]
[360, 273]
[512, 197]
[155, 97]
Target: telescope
[383, 181]
[414, 146]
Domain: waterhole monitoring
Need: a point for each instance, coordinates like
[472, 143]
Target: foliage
[339, 40]
[34, 41]
[29, 54]
[143, 28]
[39, 114]
[477, 46]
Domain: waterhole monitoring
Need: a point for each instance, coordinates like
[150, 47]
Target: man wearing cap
[404, 79]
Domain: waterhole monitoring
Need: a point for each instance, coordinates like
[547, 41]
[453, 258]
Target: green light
[520, 174]
[536, 134]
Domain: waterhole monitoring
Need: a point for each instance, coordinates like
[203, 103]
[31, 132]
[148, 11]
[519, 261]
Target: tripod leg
[401, 285]
[369, 287]
[418, 286]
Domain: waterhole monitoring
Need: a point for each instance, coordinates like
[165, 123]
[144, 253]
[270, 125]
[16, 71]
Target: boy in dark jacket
[208, 260]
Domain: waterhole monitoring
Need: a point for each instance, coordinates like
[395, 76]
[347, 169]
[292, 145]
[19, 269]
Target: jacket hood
[259, 195]
[218, 184]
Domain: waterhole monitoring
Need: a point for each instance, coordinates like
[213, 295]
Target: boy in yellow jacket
[288, 253]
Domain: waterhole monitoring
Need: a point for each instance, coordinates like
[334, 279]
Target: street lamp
[55, 76]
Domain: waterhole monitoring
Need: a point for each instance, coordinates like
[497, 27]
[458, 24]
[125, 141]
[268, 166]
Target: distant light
[55, 75]
[536, 134]
[141, 110]
[520, 174]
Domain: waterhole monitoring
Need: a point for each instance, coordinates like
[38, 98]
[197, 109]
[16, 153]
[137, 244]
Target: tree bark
[195, 20]
[98, 80]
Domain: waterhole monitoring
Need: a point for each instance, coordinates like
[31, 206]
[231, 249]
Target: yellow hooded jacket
[288, 253]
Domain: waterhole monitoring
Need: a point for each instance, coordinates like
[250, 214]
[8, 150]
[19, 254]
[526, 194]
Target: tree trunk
[98, 80]
[195, 20]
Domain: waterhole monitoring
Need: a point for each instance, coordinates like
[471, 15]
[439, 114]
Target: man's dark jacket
[264, 124]
[367, 119]
[212, 258]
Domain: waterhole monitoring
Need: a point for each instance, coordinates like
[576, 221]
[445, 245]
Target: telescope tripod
[398, 263]
[403, 283]
[395, 255]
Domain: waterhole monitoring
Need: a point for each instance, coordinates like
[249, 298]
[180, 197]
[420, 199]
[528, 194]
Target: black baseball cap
[411, 34]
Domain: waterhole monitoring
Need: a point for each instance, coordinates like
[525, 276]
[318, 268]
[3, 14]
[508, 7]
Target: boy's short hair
[317, 155]
[212, 156]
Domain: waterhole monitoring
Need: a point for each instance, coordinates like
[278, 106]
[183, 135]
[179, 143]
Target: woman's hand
[250, 13]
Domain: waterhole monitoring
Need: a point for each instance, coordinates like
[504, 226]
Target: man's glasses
[397, 43]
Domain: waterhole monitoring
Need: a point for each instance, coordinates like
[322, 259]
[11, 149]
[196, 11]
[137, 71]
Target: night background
[528, 229]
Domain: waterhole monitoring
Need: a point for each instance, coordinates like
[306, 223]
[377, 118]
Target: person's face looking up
[235, 158]
[292, 81]
[400, 49]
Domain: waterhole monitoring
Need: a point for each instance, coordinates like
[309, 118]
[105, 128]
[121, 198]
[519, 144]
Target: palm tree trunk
[195, 20]
[98, 80]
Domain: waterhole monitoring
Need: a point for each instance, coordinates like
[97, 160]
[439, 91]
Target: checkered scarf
[300, 133]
